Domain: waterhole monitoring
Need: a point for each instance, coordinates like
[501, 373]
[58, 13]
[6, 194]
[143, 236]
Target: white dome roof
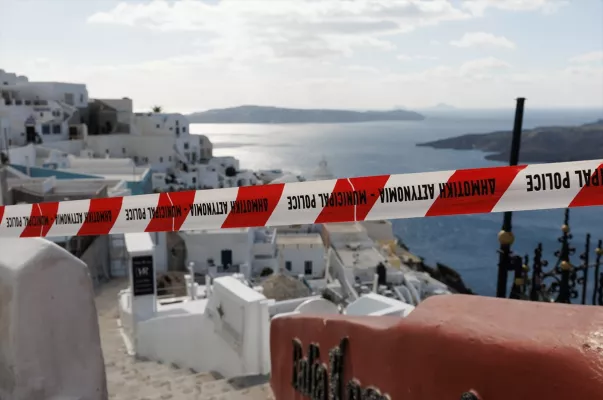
[287, 178]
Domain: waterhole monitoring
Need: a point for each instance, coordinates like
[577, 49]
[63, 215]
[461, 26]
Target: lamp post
[505, 236]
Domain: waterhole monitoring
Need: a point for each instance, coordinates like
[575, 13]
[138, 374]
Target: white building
[222, 248]
[355, 254]
[260, 248]
[40, 111]
[110, 116]
[302, 254]
[60, 116]
[74, 94]
[162, 124]
[5, 133]
[342, 234]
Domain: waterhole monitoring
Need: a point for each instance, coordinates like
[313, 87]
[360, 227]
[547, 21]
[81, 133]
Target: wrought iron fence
[563, 282]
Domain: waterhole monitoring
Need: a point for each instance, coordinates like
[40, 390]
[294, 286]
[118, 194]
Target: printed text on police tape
[475, 188]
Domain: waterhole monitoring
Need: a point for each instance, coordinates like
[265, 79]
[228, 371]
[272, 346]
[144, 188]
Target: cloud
[473, 39]
[591, 57]
[479, 68]
[317, 53]
[363, 69]
[193, 83]
[483, 68]
[478, 7]
[287, 29]
[407, 57]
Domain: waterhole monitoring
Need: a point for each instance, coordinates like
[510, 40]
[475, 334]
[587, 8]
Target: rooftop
[310, 239]
[236, 286]
[217, 231]
[263, 235]
[348, 227]
[367, 257]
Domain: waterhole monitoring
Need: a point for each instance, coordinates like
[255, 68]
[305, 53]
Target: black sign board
[143, 276]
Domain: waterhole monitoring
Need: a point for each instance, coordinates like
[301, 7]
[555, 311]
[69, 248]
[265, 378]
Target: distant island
[278, 115]
[544, 144]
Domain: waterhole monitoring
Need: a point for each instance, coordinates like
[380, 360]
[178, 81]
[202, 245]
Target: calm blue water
[467, 243]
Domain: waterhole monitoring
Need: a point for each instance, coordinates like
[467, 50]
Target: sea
[466, 243]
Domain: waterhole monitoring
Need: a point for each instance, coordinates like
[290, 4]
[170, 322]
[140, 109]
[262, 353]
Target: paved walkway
[130, 379]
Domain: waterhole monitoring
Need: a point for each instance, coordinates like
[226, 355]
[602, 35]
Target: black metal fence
[568, 280]
[571, 279]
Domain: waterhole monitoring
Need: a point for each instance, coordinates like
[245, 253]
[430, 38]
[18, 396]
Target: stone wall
[97, 258]
[449, 346]
[49, 335]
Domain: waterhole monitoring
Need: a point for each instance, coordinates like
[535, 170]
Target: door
[226, 258]
[30, 134]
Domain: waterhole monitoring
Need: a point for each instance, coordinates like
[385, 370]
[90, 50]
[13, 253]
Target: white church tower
[322, 172]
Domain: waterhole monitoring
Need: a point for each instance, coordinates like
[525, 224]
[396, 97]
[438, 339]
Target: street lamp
[505, 236]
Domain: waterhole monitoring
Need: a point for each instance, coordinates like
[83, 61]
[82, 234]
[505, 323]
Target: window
[69, 98]
[41, 114]
[308, 267]
[123, 150]
[160, 159]
[135, 159]
[56, 129]
[170, 158]
[288, 265]
[186, 146]
[45, 129]
[157, 126]
[81, 97]
[183, 129]
[194, 180]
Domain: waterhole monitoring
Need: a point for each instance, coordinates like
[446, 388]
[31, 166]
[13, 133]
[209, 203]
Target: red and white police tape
[429, 194]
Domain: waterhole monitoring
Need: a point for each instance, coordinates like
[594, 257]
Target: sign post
[143, 291]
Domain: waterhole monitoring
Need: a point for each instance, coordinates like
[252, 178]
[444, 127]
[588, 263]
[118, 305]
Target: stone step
[129, 378]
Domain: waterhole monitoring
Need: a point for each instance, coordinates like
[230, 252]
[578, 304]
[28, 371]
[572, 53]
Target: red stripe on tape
[176, 205]
[591, 195]
[473, 191]
[335, 213]
[1, 213]
[254, 206]
[371, 186]
[102, 215]
[41, 219]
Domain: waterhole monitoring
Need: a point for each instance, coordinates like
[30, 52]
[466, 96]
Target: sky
[193, 55]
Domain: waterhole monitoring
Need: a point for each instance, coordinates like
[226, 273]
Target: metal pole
[599, 253]
[505, 236]
[191, 271]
